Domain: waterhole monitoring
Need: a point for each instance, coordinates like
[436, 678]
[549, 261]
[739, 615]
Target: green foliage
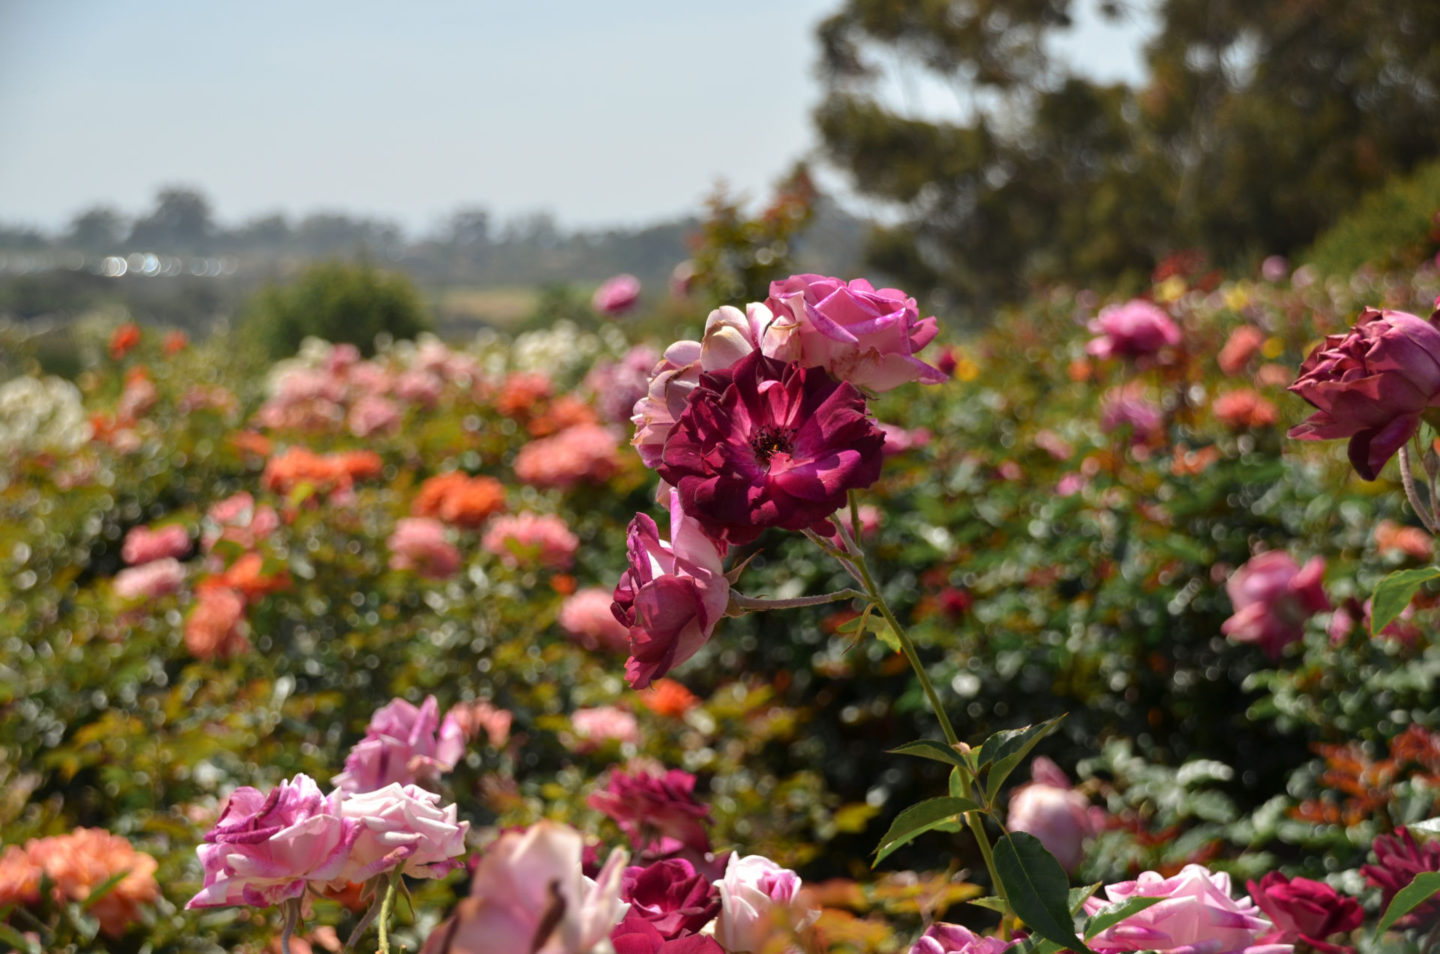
[1397, 225]
[339, 303]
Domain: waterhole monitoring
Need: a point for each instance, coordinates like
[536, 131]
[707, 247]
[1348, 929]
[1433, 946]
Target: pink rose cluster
[269, 849]
[531, 540]
[584, 453]
[762, 423]
[420, 544]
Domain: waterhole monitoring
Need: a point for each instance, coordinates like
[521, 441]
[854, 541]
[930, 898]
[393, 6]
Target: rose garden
[1108, 629]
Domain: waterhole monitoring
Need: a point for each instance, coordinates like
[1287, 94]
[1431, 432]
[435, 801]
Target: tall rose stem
[1407, 478]
[385, 910]
[758, 604]
[907, 646]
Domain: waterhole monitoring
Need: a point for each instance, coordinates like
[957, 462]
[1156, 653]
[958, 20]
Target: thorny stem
[385, 909]
[365, 921]
[1407, 478]
[907, 646]
[759, 604]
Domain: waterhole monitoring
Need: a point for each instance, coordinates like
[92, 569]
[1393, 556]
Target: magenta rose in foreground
[1054, 812]
[266, 848]
[671, 895]
[856, 332]
[638, 936]
[617, 295]
[759, 900]
[1372, 385]
[401, 826]
[766, 443]
[529, 894]
[672, 595]
[1398, 859]
[1136, 329]
[658, 812]
[1305, 911]
[1273, 596]
[942, 938]
[402, 744]
[1197, 915]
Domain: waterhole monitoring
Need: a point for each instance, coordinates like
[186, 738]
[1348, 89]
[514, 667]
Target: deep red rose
[638, 936]
[1305, 910]
[767, 443]
[671, 895]
[658, 812]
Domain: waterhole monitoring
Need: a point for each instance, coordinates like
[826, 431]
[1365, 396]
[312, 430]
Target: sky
[600, 112]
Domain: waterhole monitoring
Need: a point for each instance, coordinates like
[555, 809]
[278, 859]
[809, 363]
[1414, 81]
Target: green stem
[758, 604]
[385, 909]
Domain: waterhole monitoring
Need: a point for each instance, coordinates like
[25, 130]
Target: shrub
[1397, 225]
[337, 302]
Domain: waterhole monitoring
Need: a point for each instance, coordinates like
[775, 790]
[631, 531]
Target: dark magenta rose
[658, 812]
[1305, 910]
[767, 443]
[671, 895]
[638, 936]
[1372, 385]
[1398, 859]
[672, 595]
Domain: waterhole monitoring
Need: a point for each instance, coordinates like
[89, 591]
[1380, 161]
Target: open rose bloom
[403, 743]
[1198, 916]
[1273, 596]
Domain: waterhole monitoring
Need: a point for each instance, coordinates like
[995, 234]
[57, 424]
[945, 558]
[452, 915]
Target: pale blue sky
[613, 112]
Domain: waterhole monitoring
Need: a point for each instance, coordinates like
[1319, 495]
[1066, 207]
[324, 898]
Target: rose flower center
[771, 440]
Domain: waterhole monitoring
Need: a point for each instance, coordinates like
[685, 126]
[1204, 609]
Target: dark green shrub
[337, 302]
[1397, 225]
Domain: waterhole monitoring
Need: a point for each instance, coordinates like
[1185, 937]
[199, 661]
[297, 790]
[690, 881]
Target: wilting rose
[769, 444]
[759, 900]
[1273, 597]
[1136, 329]
[143, 544]
[658, 812]
[149, 580]
[1197, 915]
[401, 826]
[1054, 812]
[617, 295]
[1372, 385]
[1305, 911]
[942, 938]
[1398, 859]
[856, 332]
[529, 894]
[672, 595]
[419, 544]
[671, 895]
[403, 744]
[586, 616]
[267, 848]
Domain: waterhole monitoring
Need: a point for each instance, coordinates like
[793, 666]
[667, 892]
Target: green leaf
[15, 939]
[990, 904]
[920, 818]
[102, 889]
[1037, 889]
[1078, 896]
[1425, 886]
[1394, 593]
[1113, 916]
[1006, 749]
[930, 749]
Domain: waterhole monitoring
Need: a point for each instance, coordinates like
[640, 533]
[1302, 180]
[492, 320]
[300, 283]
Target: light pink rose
[372, 414]
[858, 333]
[401, 826]
[143, 544]
[585, 453]
[1059, 816]
[586, 616]
[419, 544]
[266, 849]
[592, 727]
[403, 744]
[758, 901]
[530, 539]
[529, 894]
[1198, 915]
[152, 579]
[671, 382]
[617, 295]
[1136, 329]
[1273, 597]
[418, 386]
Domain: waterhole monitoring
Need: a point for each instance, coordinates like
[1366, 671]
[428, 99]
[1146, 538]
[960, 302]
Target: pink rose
[942, 938]
[402, 744]
[401, 826]
[1305, 911]
[1136, 329]
[586, 616]
[658, 812]
[529, 894]
[419, 544]
[593, 727]
[529, 540]
[617, 295]
[584, 453]
[1273, 597]
[1059, 816]
[1197, 915]
[143, 544]
[858, 333]
[236, 518]
[149, 580]
[1372, 385]
[759, 900]
[372, 414]
[267, 848]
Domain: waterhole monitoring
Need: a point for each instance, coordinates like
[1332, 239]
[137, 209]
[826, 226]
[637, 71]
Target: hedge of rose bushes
[275, 642]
